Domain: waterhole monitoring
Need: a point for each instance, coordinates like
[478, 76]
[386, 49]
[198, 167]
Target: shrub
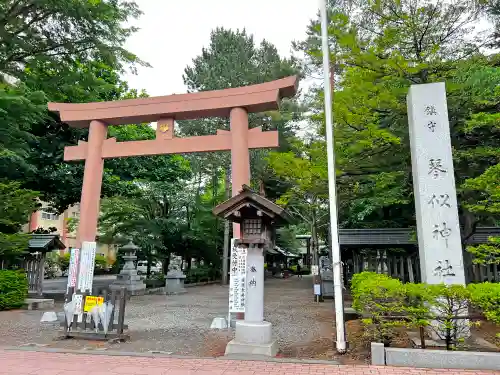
[486, 296]
[382, 299]
[100, 262]
[64, 262]
[202, 274]
[450, 302]
[13, 289]
[51, 265]
[419, 299]
[378, 297]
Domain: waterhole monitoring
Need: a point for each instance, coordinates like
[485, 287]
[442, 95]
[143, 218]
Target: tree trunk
[315, 251]
[148, 269]
[225, 250]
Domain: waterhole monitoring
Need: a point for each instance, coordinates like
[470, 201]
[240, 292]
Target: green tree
[380, 49]
[233, 59]
[163, 221]
[307, 195]
[15, 206]
[58, 33]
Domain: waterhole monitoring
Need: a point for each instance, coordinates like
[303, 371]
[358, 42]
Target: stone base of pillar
[253, 339]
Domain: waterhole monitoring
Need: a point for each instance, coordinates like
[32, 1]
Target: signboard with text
[237, 281]
[91, 301]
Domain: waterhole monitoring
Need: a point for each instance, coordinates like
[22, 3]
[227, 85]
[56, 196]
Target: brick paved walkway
[44, 363]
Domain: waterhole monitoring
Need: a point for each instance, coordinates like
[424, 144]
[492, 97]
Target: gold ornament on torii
[163, 128]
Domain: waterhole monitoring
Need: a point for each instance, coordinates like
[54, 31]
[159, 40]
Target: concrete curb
[434, 359]
[162, 290]
[165, 355]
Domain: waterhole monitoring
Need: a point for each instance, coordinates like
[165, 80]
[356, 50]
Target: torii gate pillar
[92, 182]
[240, 155]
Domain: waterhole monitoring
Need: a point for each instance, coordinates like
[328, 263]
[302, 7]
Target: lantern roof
[236, 208]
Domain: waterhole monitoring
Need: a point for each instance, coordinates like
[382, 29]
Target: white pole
[332, 193]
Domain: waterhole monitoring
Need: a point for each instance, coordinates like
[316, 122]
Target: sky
[173, 32]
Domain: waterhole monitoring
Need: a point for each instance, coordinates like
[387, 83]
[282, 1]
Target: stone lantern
[128, 276]
[258, 218]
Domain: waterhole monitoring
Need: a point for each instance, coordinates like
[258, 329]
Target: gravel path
[180, 324]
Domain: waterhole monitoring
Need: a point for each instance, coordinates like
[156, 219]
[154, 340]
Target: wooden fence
[403, 267]
[480, 273]
[34, 265]
[86, 328]
[407, 268]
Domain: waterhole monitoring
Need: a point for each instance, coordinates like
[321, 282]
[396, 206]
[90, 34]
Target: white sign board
[237, 281]
[73, 268]
[438, 229]
[317, 289]
[85, 272]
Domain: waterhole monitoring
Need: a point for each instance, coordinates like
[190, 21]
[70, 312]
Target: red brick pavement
[45, 363]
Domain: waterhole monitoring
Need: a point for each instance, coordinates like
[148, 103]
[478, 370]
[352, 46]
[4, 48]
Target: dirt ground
[180, 325]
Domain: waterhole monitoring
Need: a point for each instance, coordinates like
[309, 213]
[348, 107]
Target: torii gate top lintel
[218, 103]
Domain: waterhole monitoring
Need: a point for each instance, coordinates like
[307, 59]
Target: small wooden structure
[86, 328]
[257, 215]
[34, 261]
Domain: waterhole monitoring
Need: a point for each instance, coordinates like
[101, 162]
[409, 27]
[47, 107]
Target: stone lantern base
[174, 282]
[134, 284]
[254, 339]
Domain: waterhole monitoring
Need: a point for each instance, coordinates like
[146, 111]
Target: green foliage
[20, 108]
[377, 297]
[233, 59]
[63, 262]
[67, 51]
[51, 264]
[13, 289]
[202, 274]
[16, 205]
[386, 304]
[486, 296]
[56, 33]
[487, 253]
[378, 49]
[100, 262]
[449, 302]
[487, 188]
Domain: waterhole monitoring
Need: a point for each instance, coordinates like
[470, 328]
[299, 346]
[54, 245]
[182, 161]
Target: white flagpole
[341, 343]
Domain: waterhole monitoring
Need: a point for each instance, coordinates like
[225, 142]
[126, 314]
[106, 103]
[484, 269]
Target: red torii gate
[234, 103]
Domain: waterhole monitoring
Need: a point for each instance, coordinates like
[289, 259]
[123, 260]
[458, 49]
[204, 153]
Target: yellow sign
[91, 301]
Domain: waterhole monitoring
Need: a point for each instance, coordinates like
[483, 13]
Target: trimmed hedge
[13, 289]
[202, 274]
[387, 304]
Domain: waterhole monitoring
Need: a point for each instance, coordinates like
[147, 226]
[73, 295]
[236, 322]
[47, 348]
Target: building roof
[245, 197]
[45, 242]
[398, 236]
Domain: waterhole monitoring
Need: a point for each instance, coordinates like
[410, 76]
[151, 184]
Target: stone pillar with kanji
[258, 218]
